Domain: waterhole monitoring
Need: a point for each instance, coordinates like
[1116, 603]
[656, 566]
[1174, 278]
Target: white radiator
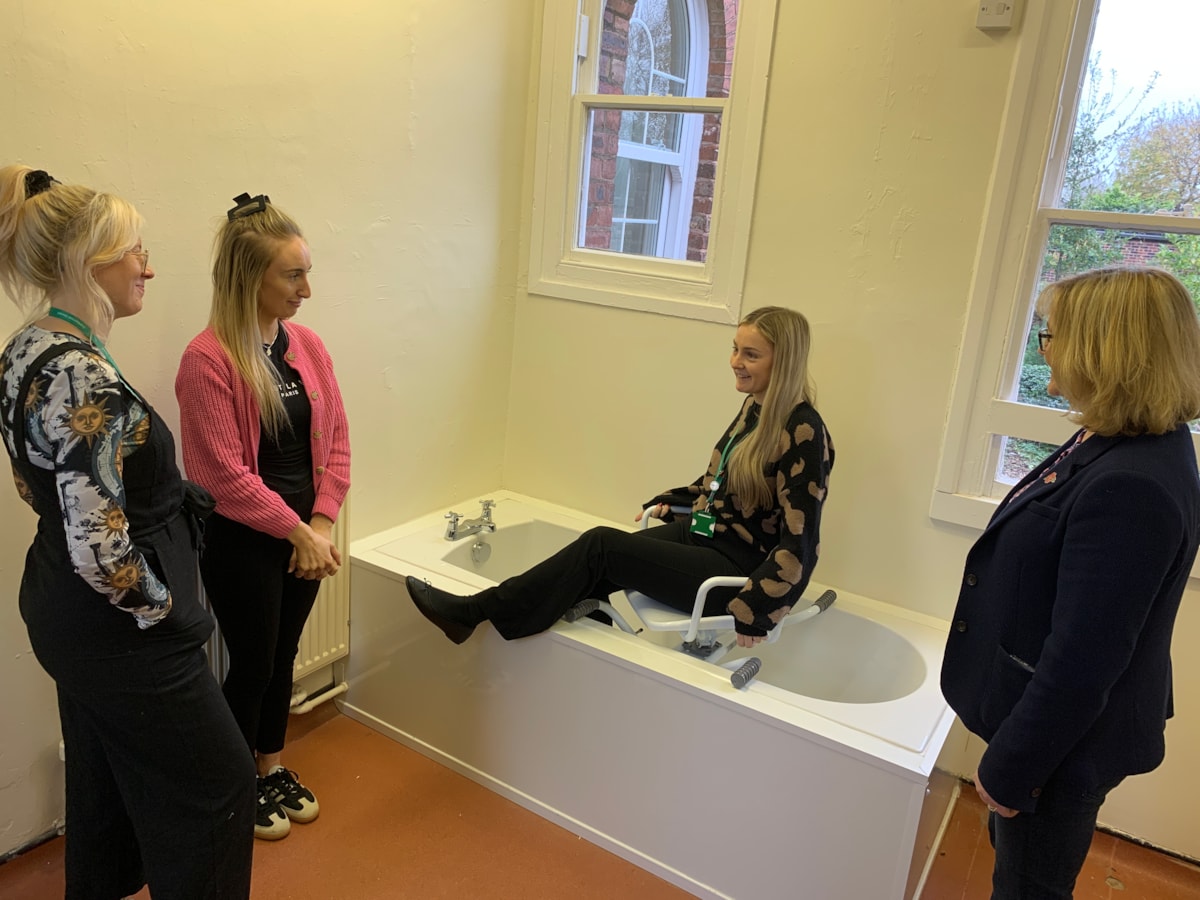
[326, 636]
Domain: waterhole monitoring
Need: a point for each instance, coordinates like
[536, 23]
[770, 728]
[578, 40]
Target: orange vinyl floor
[394, 824]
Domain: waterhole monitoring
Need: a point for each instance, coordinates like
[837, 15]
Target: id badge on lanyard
[704, 522]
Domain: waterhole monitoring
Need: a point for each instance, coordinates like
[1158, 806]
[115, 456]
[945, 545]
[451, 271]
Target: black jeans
[665, 562]
[261, 608]
[1039, 854]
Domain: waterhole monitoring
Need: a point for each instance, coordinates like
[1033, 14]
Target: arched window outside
[641, 196]
[642, 199]
[652, 172]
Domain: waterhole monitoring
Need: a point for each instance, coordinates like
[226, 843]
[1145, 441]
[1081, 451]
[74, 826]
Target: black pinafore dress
[71, 626]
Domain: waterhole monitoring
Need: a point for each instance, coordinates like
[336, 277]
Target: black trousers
[261, 609]
[157, 785]
[1039, 855]
[666, 562]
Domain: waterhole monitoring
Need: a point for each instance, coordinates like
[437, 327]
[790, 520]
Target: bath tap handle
[486, 509]
[453, 516]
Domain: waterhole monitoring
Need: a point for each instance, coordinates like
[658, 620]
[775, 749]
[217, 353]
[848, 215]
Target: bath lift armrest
[699, 631]
[660, 617]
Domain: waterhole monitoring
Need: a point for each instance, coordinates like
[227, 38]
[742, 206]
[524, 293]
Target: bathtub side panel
[717, 801]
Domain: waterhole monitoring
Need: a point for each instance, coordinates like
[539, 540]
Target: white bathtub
[816, 781]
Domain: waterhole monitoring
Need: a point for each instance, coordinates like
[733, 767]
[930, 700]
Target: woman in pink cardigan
[264, 430]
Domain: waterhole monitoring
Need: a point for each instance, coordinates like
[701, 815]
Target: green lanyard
[715, 484]
[704, 521]
[83, 326]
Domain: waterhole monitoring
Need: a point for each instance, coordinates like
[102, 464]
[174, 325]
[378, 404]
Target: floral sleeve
[81, 418]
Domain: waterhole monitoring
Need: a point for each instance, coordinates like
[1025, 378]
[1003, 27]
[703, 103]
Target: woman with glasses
[1059, 654]
[264, 430]
[159, 789]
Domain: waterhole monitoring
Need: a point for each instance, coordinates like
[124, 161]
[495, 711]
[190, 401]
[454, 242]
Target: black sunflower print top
[81, 421]
[788, 531]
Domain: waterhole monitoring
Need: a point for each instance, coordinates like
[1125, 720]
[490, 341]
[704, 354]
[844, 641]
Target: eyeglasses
[144, 256]
[1043, 339]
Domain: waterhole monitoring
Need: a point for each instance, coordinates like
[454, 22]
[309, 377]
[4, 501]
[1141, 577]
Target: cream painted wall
[880, 134]
[877, 152]
[394, 132]
[882, 126]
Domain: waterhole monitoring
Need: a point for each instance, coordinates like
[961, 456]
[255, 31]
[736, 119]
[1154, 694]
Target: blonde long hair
[244, 249]
[790, 385]
[1125, 349]
[52, 243]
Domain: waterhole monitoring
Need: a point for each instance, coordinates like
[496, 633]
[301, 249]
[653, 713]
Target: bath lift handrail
[699, 631]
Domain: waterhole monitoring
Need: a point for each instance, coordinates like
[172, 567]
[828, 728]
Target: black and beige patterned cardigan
[788, 532]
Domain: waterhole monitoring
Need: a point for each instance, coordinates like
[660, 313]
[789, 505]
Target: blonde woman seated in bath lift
[755, 514]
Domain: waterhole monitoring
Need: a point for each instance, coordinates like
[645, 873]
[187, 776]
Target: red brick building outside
[606, 124]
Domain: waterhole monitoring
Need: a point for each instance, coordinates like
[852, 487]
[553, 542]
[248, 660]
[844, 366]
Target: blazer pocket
[1044, 510]
[1009, 677]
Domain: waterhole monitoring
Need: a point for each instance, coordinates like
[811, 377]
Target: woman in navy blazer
[1059, 651]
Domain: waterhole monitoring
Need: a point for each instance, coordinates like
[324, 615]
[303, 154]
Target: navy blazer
[1059, 651]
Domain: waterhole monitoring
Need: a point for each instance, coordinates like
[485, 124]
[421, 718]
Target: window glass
[1020, 456]
[1131, 168]
[642, 200]
[649, 174]
[657, 60]
[1137, 129]
[670, 48]
[657, 201]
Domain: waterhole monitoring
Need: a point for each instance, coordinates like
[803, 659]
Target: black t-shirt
[285, 465]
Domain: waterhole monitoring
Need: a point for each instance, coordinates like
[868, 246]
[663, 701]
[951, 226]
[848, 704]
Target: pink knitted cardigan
[220, 428]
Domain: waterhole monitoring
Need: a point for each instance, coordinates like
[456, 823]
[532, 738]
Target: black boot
[456, 616]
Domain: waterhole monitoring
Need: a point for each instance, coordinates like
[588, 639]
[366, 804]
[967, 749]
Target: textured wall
[393, 132]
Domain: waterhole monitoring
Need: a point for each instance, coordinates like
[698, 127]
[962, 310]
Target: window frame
[1036, 132]
[709, 291]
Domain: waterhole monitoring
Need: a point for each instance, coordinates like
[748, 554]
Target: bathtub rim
[676, 670]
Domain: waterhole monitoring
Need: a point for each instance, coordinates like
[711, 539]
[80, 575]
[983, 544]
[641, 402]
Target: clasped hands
[314, 555]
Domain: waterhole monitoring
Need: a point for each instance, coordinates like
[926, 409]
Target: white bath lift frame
[700, 632]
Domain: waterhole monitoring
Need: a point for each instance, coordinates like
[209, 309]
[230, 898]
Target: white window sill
[962, 509]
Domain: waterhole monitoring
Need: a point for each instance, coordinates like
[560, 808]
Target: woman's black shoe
[452, 614]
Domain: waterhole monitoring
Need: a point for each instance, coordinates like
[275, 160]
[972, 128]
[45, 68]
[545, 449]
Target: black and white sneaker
[294, 799]
[270, 822]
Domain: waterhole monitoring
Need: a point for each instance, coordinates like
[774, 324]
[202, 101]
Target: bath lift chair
[700, 633]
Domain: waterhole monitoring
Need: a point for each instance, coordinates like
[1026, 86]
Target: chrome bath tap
[457, 528]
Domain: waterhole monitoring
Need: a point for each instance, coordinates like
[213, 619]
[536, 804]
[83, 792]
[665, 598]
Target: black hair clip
[248, 206]
[38, 181]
